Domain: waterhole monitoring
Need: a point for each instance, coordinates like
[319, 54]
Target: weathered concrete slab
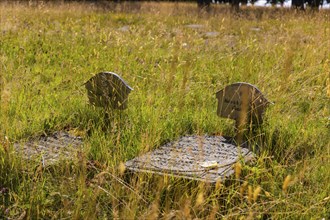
[50, 149]
[125, 28]
[257, 29]
[195, 26]
[108, 90]
[205, 158]
[211, 34]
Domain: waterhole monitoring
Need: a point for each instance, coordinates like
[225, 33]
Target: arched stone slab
[241, 100]
[108, 90]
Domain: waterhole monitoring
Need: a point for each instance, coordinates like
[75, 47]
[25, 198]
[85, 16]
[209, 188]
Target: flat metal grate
[187, 156]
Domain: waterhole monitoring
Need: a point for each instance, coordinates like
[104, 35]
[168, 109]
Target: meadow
[49, 51]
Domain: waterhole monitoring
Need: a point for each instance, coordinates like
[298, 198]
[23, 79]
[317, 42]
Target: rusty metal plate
[205, 158]
[50, 149]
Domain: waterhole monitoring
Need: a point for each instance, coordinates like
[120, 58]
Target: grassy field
[49, 51]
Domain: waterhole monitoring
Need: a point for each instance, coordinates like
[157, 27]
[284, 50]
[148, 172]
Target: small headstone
[242, 102]
[108, 90]
[241, 98]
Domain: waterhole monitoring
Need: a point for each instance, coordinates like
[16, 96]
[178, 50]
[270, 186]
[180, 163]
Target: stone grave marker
[244, 103]
[108, 90]
[206, 158]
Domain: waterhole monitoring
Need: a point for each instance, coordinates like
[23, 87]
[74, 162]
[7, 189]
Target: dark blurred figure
[298, 4]
[204, 5]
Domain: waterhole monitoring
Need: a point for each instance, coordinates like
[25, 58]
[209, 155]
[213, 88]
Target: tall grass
[49, 51]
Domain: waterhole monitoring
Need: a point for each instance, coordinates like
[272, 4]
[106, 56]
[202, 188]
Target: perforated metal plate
[50, 149]
[187, 157]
